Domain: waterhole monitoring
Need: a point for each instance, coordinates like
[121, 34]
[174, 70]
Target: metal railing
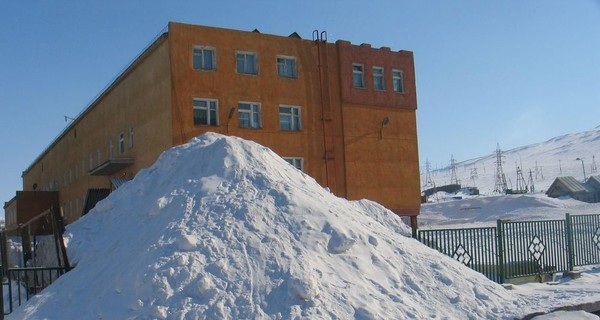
[520, 249]
[36, 258]
[20, 284]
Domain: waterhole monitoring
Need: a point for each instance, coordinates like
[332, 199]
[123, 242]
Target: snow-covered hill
[545, 161]
[223, 228]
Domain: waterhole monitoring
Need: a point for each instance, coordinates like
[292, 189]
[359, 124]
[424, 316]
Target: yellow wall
[139, 99]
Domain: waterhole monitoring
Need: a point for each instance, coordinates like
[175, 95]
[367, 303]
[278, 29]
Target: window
[286, 67]
[111, 148]
[289, 118]
[378, 82]
[296, 162]
[92, 160]
[246, 62]
[398, 81]
[121, 146]
[249, 115]
[99, 156]
[204, 58]
[130, 137]
[358, 75]
[206, 112]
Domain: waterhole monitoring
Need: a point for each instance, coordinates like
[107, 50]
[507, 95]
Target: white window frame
[121, 143]
[295, 123]
[379, 78]
[360, 73]
[130, 137]
[254, 108]
[398, 77]
[199, 51]
[283, 68]
[245, 70]
[296, 162]
[206, 109]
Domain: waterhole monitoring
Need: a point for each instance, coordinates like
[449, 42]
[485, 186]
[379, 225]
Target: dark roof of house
[594, 183]
[570, 185]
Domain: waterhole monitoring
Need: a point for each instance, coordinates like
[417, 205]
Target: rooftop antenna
[68, 118]
[500, 179]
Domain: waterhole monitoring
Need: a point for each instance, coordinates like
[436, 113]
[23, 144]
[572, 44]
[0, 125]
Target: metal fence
[520, 249]
[33, 256]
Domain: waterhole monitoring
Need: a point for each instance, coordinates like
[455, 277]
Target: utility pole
[521, 186]
[582, 167]
[500, 179]
[428, 179]
[453, 177]
[531, 186]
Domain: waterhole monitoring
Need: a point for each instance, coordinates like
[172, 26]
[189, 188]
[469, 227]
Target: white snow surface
[223, 228]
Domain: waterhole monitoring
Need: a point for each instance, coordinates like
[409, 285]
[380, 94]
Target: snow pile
[223, 228]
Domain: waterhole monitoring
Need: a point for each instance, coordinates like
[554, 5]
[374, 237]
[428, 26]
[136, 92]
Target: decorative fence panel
[520, 249]
[586, 239]
[533, 248]
[476, 248]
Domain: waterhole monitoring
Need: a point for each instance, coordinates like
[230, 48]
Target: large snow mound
[223, 228]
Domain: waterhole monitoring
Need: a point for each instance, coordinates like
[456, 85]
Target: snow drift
[223, 228]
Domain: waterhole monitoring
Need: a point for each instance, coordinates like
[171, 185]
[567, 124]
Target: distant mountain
[539, 163]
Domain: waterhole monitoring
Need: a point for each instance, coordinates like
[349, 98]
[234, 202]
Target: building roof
[572, 184]
[593, 183]
[563, 186]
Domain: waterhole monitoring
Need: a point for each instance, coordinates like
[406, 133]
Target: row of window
[358, 78]
[73, 172]
[247, 63]
[205, 58]
[206, 113]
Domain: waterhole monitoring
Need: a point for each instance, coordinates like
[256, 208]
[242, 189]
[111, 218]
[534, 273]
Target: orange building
[342, 113]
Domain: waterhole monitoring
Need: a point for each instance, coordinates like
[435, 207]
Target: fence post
[500, 240]
[59, 229]
[570, 249]
[2, 291]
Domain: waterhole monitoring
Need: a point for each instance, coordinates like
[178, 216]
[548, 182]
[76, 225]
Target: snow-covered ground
[223, 228]
[476, 211]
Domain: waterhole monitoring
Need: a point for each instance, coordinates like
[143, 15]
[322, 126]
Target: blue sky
[488, 72]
